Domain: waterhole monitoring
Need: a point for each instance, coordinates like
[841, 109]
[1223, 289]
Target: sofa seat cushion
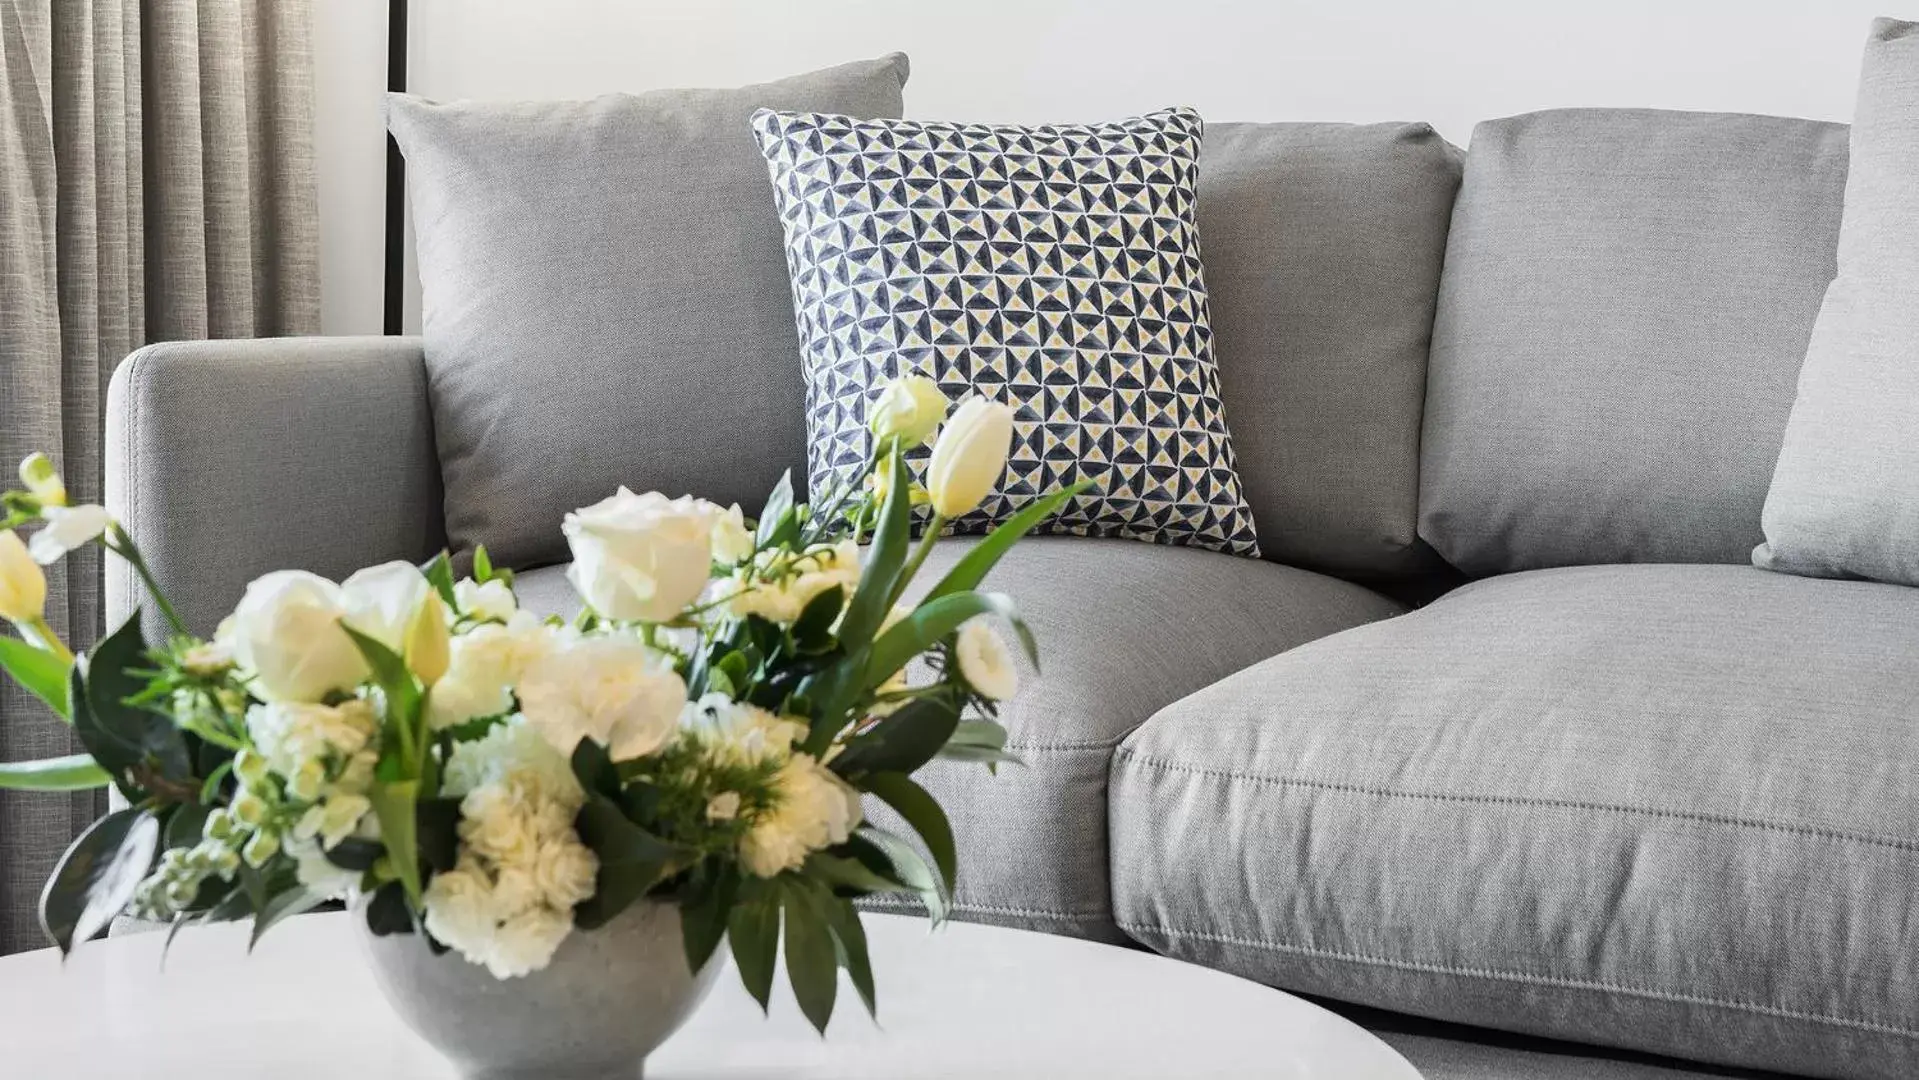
[1124, 629]
[1669, 808]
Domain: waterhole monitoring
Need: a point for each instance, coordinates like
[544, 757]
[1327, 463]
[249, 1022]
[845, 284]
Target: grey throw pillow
[605, 298]
[1053, 268]
[1844, 500]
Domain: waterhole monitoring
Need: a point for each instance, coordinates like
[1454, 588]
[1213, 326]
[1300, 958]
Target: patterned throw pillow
[1053, 268]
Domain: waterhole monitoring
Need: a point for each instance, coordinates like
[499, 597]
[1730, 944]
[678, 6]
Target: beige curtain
[156, 183]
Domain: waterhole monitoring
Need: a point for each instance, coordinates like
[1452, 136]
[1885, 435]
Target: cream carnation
[613, 689]
[812, 809]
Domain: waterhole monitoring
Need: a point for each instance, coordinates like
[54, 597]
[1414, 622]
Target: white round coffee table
[967, 1002]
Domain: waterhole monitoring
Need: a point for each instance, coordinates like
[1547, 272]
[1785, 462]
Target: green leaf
[439, 574]
[923, 813]
[97, 876]
[482, 566]
[880, 570]
[753, 930]
[42, 673]
[75, 772]
[971, 568]
[903, 741]
[595, 770]
[355, 853]
[632, 861]
[812, 956]
[390, 673]
[909, 868]
[845, 872]
[184, 826]
[813, 630]
[850, 935]
[280, 907]
[703, 915]
[979, 740]
[932, 622]
[778, 520]
[394, 804]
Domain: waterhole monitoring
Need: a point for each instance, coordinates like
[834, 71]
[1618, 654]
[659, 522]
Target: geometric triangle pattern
[1053, 268]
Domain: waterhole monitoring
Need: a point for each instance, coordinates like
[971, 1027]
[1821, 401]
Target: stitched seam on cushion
[1001, 909]
[1069, 747]
[1527, 977]
[1896, 843]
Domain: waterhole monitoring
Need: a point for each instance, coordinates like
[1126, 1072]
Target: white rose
[287, 632]
[985, 661]
[641, 557]
[732, 540]
[492, 600]
[565, 872]
[67, 527]
[613, 689]
[382, 600]
[813, 809]
[526, 942]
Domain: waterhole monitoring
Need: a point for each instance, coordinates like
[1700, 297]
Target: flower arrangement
[703, 733]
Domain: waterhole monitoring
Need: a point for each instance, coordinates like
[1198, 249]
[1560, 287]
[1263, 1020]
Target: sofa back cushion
[606, 300]
[1322, 245]
[1627, 299]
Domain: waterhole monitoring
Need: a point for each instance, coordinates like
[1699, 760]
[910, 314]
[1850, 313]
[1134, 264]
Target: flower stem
[121, 544]
[927, 539]
[36, 631]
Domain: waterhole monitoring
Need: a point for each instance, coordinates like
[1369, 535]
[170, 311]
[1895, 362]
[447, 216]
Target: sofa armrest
[228, 459]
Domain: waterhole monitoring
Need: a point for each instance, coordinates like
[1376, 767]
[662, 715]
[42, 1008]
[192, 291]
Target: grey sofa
[1618, 799]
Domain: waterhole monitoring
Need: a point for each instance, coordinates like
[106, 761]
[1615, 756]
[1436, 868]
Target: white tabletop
[966, 1001]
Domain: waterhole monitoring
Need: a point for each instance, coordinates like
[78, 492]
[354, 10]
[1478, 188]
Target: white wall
[1028, 60]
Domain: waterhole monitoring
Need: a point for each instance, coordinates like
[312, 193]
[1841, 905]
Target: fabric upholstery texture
[156, 181]
[1053, 268]
[1844, 500]
[605, 300]
[229, 459]
[1322, 245]
[1124, 628]
[1674, 808]
[1625, 306]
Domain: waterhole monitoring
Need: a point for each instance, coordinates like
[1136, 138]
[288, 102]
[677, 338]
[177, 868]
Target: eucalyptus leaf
[923, 813]
[903, 741]
[98, 875]
[812, 956]
[632, 860]
[910, 868]
[184, 826]
[118, 734]
[43, 674]
[846, 872]
[75, 772]
[594, 769]
[980, 741]
[753, 931]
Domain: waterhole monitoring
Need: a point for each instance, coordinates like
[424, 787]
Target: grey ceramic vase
[608, 998]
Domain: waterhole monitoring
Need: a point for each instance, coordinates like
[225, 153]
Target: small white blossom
[985, 661]
[67, 528]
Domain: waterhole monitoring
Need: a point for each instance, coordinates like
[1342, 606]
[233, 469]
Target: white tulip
[42, 480]
[970, 456]
[613, 689]
[428, 650]
[641, 557]
[910, 409]
[67, 528]
[23, 586]
[287, 632]
[985, 661]
[381, 601]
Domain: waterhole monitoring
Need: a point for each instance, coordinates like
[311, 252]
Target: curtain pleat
[156, 183]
